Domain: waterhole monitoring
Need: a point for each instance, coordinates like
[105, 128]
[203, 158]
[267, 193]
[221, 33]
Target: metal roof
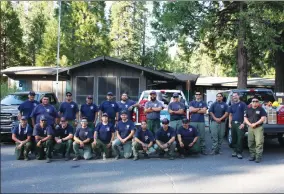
[233, 81]
[105, 58]
[185, 76]
[27, 70]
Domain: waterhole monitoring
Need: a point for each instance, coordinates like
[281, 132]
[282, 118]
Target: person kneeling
[165, 139]
[21, 134]
[63, 138]
[44, 139]
[103, 137]
[188, 139]
[143, 140]
[82, 140]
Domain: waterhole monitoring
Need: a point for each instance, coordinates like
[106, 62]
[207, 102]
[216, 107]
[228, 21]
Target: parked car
[9, 109]
[165, 96]
[266, 95]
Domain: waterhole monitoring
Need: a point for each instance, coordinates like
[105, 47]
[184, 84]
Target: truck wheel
[229, 137]
[281, 140]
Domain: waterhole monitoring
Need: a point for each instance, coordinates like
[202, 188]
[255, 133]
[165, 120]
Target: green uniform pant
[72, 123]
[127, 148]
[23, 151]
[112, 121]
[87, 150]
[237, 138]
[255, 141]
[64, 148]
[176, 124]
[40, 150]
[217, 132]
[136, 147]
[200, 126]
[186, 149]
[153, 125]
[101, 147]
[171, 149]
[91, 125]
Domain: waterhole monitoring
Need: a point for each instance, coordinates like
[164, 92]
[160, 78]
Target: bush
[5, 90]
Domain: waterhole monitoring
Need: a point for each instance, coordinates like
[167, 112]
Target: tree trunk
[242, 54]
[279, 67]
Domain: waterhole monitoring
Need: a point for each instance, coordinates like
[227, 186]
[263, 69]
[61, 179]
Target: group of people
[108, 130]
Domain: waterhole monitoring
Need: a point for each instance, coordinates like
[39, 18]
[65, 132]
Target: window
[15, 99]
[130, 86]
[84, 87]
[105, 85]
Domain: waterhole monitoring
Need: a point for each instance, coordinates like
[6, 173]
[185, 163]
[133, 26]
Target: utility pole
[58, 47]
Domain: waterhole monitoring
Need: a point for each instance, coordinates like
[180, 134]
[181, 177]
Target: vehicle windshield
[15, 99]
[165, 97]
[265, 96]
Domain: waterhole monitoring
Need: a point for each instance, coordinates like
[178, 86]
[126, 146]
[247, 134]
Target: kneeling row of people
[102, 139]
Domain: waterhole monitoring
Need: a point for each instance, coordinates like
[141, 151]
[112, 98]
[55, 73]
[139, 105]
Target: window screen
[106, 84]
[84, 87]
[131, 87]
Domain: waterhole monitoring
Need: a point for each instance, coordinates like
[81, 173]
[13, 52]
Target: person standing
[218, 112]
[237, 124]
[89, 110]
[124, 131]
[27, 107]
[22, 134]
[126, 105]
[44, 139]
[197, 109]
[47, 110]
[152, 110]
[69, 110]
[187, 139]
[82, 140]
[103, 137]
[255, 117]
[111, 108]
[64, 138]
[143, 140]
[176, 110]
[165, 140]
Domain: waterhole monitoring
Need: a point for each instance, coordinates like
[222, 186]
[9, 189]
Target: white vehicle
[165, 96]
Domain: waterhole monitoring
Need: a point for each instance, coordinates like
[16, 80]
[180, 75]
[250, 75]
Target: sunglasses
[43, 120]
[197, 94]
[255, 101]
[90, 98]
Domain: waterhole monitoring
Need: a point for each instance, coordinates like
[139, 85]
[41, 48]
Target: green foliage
[5, 90]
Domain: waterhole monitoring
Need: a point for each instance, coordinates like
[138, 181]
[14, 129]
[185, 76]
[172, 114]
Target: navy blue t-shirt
[62, 133]
[187, 134]
[238, 111]
[104, 132]
[197, 117]
[175, 106]
[27, 107]
[125, 106]
[144, 136]
[219, 109]
[48, 111]
[125, 128]
[43, 132]
[69, 110]
[109, 107]
[165, 136]
[89, 111]
[22, 133]
[83, 133]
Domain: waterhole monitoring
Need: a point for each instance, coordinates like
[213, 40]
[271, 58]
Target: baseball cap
[123, 112]
[185, 121]
[165, 121]
[153, 92]
[32, 93]
[175, 95]
[110, 94]
[84, 119]
[197, 93]
[24, 118]
[42, 118]
[90, 97]
[68, 93]
[63, 119]
[105, 114]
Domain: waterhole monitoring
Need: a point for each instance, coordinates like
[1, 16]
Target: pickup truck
[9, 109]
[266, 95]
[165, 96]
